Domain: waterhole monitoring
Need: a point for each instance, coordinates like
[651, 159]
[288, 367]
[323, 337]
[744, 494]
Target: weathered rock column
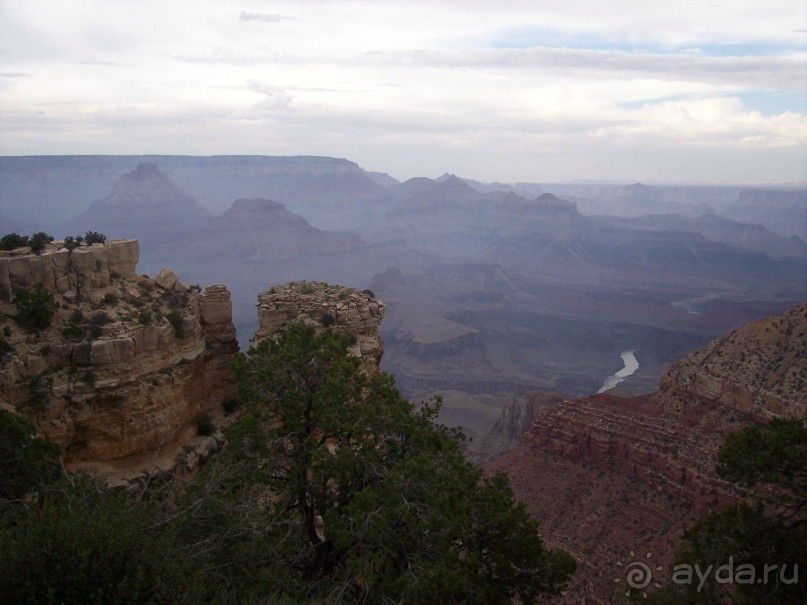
[356, 313]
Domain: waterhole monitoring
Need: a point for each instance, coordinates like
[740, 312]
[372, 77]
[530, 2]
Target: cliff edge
[126, 366]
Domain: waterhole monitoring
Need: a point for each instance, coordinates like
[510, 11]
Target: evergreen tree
[357, 496]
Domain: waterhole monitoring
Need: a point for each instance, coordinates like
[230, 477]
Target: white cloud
[497, 88]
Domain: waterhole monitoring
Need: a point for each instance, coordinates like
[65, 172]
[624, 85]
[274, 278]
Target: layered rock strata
[608, 476]
[128, 364]
[356, 313]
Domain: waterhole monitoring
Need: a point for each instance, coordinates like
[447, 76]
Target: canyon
[614, 476]
[492, 290]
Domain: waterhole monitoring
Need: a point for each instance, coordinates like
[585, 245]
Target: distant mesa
[260, 229]
[144, 204]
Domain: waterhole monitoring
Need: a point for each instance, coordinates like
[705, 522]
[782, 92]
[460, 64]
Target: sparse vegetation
[35, 309]
[38, 241]
[10, 241]
[93, 237]
[40, 390]
[205, 426]
[175, 319]
[230, 405]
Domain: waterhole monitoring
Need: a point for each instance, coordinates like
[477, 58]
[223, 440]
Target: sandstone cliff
[128, 364]
[356, 313]
[609, 475]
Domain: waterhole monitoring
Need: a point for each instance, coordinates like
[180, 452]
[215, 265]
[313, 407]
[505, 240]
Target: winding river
[631, 365]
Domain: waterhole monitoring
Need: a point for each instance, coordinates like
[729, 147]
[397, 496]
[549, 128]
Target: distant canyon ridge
[491, 290]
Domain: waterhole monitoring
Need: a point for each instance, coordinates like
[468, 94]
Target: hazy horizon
[677, 93]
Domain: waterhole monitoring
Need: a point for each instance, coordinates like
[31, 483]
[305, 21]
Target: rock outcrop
[128, 364]
[356, 313]
[760, 369]
[69, 273]
[608, 476]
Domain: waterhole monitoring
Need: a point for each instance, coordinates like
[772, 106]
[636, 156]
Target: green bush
[83, 543]
[38, 241]
[175, 319]
[110, 298]
[10, 241]
[93, 237]
[25, 461]
[40, 390]
[100, 318]
[74, 331]
[35, 309]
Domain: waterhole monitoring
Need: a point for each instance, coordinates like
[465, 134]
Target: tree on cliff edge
[367, 500]
[754, 550]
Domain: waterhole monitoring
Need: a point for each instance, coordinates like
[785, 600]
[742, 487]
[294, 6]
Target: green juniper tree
[357, 496]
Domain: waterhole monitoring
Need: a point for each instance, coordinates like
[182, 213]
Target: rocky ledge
[127, 365]
[356, 313]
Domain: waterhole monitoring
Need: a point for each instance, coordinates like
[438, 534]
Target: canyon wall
[128, 365]
[614, 477]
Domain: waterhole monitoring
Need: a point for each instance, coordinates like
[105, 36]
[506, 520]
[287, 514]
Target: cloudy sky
[511, 90]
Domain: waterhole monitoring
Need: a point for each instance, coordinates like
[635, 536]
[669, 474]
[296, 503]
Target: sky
[511, 91]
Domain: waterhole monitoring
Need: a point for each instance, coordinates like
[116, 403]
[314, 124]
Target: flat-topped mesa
[63, 271]
[126, 366]
[356, 313]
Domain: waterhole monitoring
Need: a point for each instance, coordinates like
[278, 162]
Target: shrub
[205, 426]
[175, 319]
[40, 390]
[110, 298]
[88, 378]
[71, 243]
[10, 241]
[35, 309]
[74, 331]
[144, 317]
[327, 320]
[100, 319]
[93, 237]
[38, 241]
[6, 331]
[230, 405]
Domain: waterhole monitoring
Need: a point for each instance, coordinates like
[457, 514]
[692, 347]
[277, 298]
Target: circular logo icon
[638, 575]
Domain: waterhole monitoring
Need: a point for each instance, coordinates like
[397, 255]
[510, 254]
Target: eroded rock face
[61, 270]
[760, 369]
[609, 475]
[127, 366]
[356, 313]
